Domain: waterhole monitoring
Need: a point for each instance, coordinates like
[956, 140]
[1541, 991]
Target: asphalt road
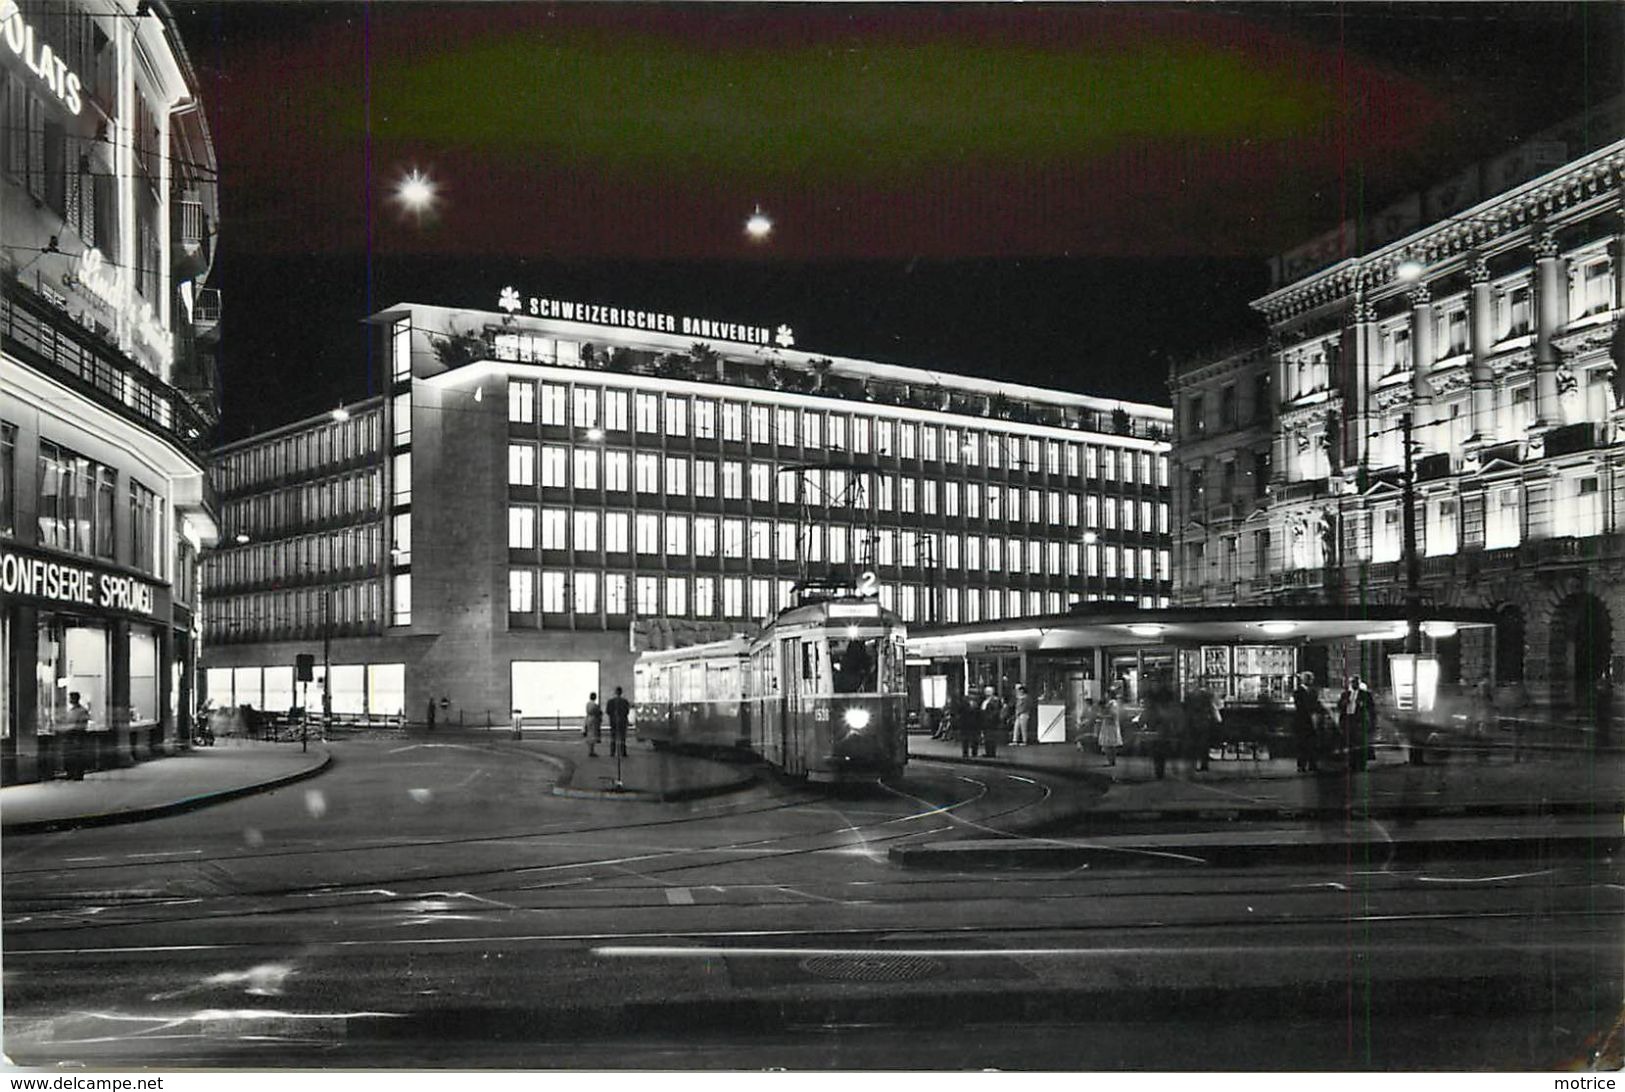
[433, 904]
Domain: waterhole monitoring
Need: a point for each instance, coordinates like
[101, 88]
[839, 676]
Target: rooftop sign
[656, 321]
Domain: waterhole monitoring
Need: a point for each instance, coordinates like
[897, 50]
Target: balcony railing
[43, 337]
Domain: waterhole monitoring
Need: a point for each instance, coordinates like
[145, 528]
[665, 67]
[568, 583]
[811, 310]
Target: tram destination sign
[73, 584]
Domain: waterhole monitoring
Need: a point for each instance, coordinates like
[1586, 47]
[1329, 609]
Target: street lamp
[1415, 674]
[759, 226]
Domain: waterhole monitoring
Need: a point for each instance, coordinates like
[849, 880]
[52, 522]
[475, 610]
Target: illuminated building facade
[547, 485]
[1494, 335]
[107, 400]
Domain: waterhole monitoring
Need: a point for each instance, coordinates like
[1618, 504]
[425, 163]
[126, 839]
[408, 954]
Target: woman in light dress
[1110, 732]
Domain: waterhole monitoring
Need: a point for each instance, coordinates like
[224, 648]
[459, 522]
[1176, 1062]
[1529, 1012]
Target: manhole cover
[898, 968]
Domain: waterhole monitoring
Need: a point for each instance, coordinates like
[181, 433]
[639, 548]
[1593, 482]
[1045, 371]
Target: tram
[819, 693]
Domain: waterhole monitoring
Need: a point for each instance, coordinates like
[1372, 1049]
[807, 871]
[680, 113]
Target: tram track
[736, 852]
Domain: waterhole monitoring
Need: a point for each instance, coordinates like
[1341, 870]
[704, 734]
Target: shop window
[386, 690]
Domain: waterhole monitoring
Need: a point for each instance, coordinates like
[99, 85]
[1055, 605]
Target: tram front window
[857, 663]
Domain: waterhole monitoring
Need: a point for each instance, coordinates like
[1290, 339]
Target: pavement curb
[927, 1003]
[1042, 853]
[158, 811]
[698, 792]
[1111, 817]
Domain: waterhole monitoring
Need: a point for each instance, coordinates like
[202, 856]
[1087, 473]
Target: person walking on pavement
[1306, 714]
[1110, 733]
[993, 722]
[1161, 721]
[75, 736]
[593, 726]
[1357, 716]
[620, 716]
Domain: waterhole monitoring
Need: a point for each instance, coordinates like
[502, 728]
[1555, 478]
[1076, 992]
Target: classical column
[1483, 337]
[1360, 358]
[1421, 298]
[1282, 396]
[1551, 306]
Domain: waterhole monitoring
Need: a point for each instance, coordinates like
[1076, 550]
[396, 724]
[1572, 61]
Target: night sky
[1070, 196]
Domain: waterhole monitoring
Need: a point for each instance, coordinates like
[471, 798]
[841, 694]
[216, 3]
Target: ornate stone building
[1491, 338]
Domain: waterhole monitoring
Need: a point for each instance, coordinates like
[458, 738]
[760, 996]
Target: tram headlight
[856, 719]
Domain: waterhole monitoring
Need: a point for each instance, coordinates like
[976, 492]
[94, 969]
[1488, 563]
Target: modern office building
[1489, 335]
[547, 486]
[107, 404]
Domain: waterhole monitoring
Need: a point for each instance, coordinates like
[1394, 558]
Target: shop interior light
[1439, 631]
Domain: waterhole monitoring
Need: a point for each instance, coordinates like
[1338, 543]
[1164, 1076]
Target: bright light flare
[417, 194]
[759, 226]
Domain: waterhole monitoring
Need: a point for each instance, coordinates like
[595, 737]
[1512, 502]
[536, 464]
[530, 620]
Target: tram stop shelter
[1246, 655]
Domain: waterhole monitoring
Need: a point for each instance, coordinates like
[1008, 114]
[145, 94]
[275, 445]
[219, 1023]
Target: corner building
[107, 398]
[1496, 332]
[539, 496]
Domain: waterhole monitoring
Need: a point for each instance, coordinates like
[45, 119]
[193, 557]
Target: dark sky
[1064, 195]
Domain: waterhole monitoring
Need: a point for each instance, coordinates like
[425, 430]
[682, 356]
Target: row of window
[588, 407]
[295, 612]
[278, 510]
[646, 473]
[681, 535]
[1512, 413]
[590, 596]
[345, 550]
[1494, 520]
[1590, 292]
[299, 453]
[76, 506]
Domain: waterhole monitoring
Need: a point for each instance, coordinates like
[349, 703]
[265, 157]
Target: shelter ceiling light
[1146, 629]
[1277, 628]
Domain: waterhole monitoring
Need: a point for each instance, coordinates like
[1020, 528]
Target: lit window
[586, 530]
[553, 473]
[733, 597]
[648, 589]
[521, 591]
[521, 402]
[733, 538]
[586, 467]
[553, 522]
[705, 596]
[811, 429]
[521, 527]
[677, 536]
[760, 539]
[521, 464]
[705, 478]
[705, 536]
[705, 419]
[584, 593]
[676, 477]
[760, 604]
[648, 533]
[617, 528]
[733, 422]
[553, 593]
[646, 468]
[616, 465]
[400, 605]
[760, 475]
[585, 407]
[787, 541]
[785, 422]
[646, 412]
[552, 404]
[676, 416]
[615, 411]
[615, 593]
[733, 480]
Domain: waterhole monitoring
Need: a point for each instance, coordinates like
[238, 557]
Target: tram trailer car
[694, 697]
[823, 694]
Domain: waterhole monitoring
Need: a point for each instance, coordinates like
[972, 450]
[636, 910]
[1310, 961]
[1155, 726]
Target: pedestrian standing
[1110, 733]
[1357, 716]
[993, 722]
[518, 725]
[1203, 715]
[620, 716]
[1026, 717]
[1306, 715]
[967, 718]
[593, 726]
[74, 734]
[1161, 719]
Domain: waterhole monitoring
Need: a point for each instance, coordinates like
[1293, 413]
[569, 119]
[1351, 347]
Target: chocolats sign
[72, 584]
